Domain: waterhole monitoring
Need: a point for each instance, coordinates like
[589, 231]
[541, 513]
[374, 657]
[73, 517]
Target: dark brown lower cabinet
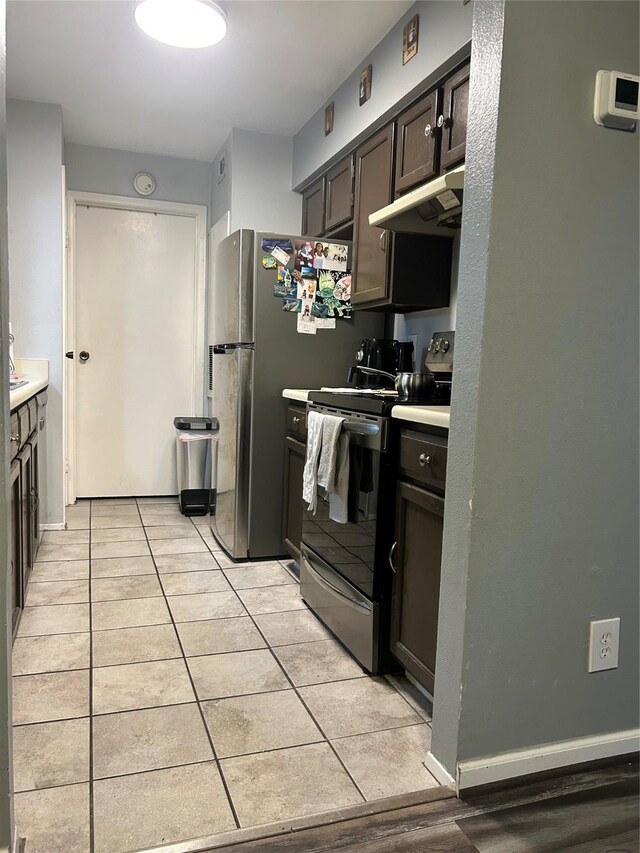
[26, 476]
[416, 581]
[295, 453]
[24, 528]
[15, 539]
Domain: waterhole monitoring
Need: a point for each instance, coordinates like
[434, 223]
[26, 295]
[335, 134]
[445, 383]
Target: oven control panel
[438, 356]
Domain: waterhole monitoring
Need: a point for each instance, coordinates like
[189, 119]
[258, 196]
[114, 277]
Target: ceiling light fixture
[182, 23]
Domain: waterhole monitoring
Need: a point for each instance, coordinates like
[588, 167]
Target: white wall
[444, 34]
[541, 518]
[257, 187]
[106, 170]
[34, 166]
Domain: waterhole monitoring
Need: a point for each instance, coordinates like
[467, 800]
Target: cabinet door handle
[393, 548]
[383, 241]
[423, 460]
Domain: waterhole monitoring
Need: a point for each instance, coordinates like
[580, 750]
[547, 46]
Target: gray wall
[257, 187]
[445, 30]
[541, 521]
[6, 798]
[106, 170]
[34, 165]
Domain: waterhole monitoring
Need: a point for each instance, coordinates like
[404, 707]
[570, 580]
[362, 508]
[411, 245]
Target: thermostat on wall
[143, 183]
[615, 103]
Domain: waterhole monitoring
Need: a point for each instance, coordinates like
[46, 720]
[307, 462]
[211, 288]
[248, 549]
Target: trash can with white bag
[197, 450]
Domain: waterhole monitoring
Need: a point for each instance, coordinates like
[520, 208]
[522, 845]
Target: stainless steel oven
[339, 575]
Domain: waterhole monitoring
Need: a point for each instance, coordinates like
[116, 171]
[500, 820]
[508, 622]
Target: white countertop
[300, 395]
[36, 372]
[430, 415]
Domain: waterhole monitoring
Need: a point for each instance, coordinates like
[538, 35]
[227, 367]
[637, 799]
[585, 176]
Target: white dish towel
[310, 473]
[326, 464]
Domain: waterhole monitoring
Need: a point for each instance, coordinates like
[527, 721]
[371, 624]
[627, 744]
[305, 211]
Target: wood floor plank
[435, 839]
[584, 821]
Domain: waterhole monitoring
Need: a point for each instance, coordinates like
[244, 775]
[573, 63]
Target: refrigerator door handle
[223, 349]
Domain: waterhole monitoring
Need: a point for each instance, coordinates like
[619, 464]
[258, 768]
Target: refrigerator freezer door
[231, 303]
[232, 377]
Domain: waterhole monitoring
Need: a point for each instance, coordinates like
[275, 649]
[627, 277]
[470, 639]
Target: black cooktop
[373, 404]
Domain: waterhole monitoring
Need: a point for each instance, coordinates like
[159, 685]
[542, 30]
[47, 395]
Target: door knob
[84, 355]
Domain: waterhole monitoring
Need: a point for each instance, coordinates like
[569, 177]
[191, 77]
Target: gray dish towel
[331, 427]
[339, 498]
[310, 473]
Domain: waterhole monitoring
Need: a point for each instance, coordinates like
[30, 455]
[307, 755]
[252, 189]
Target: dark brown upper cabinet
[372, 246]
[392, 272]
[313, 209]
[417, 144]
[339, 194]
[455, 104]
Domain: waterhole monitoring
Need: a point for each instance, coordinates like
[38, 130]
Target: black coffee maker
[381, 354]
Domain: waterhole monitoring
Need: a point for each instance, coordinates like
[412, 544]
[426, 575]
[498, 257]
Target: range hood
[433, 208]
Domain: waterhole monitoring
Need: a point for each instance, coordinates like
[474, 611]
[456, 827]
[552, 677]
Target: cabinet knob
[393, 548]
[423, 460]
[429, 130]
[296, 419]
[15, 438]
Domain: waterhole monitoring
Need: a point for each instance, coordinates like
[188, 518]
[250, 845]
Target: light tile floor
[162, 693]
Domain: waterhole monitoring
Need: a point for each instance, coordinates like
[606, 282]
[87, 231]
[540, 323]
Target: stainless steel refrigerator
[255, 352]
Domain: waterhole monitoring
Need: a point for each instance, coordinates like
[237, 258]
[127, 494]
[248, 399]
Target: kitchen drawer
[297, 422]
[32, 405]
[23, 420]
[423, 458]
[14, 433]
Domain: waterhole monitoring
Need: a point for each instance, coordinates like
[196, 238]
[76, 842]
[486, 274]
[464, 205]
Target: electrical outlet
[604, 644]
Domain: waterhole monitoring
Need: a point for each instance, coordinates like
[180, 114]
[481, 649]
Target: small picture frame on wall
[328, 119]
[364, 91]
[222, 166]
[410, 39]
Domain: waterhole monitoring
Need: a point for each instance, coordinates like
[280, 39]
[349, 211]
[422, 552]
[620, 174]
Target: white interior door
[136, 287]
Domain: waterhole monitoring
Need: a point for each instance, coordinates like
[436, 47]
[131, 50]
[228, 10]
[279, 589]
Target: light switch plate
[604, 644]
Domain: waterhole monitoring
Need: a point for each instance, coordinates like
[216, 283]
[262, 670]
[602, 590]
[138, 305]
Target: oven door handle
[329, 586]
[360, 428]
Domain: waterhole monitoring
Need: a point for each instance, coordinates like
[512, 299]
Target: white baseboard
[59, 525]
[439, 771]
[508, 765]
